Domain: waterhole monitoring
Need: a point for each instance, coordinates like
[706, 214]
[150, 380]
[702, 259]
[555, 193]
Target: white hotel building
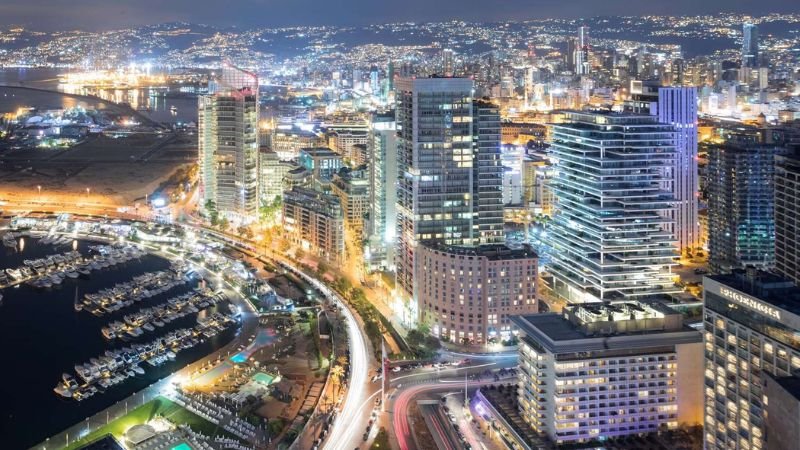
[604, 370]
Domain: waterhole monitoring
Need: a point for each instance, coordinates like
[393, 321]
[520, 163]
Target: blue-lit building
[741, 206]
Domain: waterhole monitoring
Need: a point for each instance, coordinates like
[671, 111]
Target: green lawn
[159, 406]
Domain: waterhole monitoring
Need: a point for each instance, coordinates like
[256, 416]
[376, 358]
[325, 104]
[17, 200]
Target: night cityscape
[458, 225]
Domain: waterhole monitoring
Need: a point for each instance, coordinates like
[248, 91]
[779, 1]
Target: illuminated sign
[750, 302]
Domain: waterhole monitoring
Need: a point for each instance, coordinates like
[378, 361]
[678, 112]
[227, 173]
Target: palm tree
[337, 372]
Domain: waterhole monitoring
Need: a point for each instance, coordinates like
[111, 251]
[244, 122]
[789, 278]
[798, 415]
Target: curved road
[354, 412]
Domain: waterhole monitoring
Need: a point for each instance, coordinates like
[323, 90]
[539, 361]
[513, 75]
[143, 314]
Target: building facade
[741, 206]
[442, 134]
[787, 217]
[228, 144]
[609, 234]
[272, 172]
[676, 106]
[468, 294]
[382, 147]
[751, 321]
[314, 221]
[352, 188]
[602, 370]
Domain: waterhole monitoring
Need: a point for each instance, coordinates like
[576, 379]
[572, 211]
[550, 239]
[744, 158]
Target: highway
[355, 409]
[346, 433]
[407, 387]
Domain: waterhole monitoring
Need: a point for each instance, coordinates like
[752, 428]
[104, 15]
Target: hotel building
[449, 173]
[604, 370]
[752, 334]
[468, 294]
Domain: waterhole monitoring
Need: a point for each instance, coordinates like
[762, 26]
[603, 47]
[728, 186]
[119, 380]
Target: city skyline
[97, 15]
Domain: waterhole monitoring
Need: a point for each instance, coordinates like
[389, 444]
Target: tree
[213, 215]
[337, 373]
[224, 223]
[342, 360]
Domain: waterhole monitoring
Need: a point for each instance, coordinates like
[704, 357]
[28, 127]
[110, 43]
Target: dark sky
[110, 14]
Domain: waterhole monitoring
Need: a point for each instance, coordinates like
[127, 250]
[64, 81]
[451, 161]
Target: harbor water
[43, 336]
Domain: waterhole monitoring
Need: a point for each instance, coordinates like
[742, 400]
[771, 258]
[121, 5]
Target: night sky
[109, 14]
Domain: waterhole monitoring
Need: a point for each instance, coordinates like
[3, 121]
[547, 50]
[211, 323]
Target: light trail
[402, 430]
[343, 432]
[434, 372]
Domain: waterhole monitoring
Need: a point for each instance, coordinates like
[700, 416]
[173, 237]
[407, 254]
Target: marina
[115, 366]
[48, 333]
[149, 319]
[124, 295]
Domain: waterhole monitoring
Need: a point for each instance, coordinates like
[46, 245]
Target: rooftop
[605, 326]
[491, 252]
[766, 286]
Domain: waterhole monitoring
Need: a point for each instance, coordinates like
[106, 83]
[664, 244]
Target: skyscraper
[787, 219]
[676, 106]
[750, 54]
[572, 45]
[448, 62]
[609, 232]
[228, 143]
[382, 225]
[447, 159]
[741, 206]
[582, 64]
[751, 323]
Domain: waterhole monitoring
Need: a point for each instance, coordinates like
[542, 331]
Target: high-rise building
[787, 217]
[605, 370]
[228, 144]
[572, 46]
[751, 321]
[382, 148]
[741, 213]
[610, 236]
[448, 62]
[448, 157]
[676, 106]
[750, 53]
[582, 64]
[487, 178]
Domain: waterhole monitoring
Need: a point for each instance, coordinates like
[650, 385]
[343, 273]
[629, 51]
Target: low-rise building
[467, 294]
[288, 141]
[323, 163]
[604, 370]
